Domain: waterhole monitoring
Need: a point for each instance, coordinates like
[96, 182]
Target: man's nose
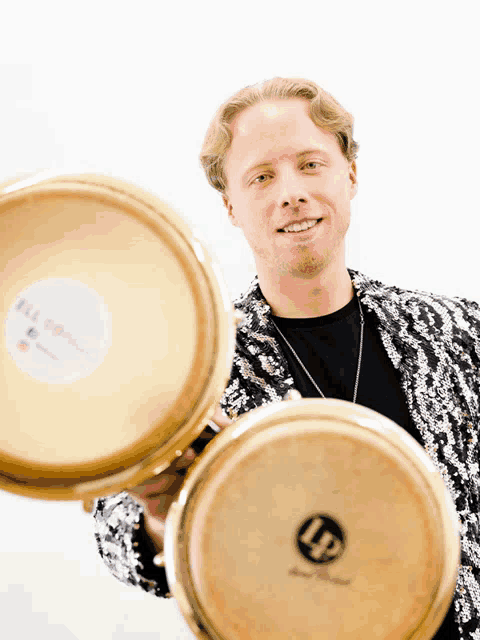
[291, 192]
[294, 201]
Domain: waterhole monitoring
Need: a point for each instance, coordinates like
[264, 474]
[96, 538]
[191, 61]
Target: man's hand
[158, 493]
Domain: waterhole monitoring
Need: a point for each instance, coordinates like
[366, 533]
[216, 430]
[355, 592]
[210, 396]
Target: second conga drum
[117, 335]
[313, 519]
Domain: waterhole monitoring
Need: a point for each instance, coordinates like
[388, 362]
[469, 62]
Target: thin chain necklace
[359, 363]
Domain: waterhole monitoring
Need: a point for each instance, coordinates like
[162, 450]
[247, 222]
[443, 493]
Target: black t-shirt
[328, 346]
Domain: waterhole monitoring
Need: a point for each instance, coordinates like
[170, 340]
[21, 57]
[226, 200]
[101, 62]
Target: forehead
[276, 128]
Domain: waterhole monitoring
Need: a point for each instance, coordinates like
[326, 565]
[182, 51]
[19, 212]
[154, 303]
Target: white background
[128, 89]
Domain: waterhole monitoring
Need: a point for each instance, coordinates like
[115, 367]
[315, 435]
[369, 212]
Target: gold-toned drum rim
[366, 421]
[213, 359]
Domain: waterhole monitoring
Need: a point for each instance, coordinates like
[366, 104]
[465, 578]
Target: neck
[292, 296]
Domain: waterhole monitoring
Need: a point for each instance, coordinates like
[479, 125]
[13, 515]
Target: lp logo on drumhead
[320, 539]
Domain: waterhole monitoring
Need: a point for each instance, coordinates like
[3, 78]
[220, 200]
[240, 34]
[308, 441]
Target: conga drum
[308, 519]
[313, 519]
[117, 336]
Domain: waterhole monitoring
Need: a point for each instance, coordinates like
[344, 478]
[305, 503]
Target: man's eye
[308, 165]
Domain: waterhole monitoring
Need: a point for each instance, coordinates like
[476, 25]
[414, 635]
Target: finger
[217, 423]
[168, 481]
[163, 480]
[158, 508]
[220, 419]
[153, 486]
[155, 528]
[155, 483]
[185, 460]
[163, 486]
[158, 505]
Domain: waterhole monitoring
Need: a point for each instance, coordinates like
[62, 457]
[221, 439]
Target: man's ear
[353, 178]
[229, 208]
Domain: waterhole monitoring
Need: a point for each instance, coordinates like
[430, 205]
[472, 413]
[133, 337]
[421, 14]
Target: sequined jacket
[434, 343]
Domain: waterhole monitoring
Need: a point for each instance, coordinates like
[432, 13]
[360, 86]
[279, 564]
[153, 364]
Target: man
[283, 157]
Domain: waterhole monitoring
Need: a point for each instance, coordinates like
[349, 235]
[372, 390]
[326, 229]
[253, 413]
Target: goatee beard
[305, 266]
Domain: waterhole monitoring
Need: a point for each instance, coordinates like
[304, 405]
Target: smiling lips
[303, 225]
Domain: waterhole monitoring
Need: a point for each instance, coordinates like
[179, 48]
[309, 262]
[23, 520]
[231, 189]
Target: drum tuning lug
[240, 318]
[292, 394]
[159, 560]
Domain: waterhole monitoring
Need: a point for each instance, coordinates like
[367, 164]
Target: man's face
[282, 169]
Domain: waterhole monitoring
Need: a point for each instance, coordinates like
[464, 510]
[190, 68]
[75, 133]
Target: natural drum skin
[117, 336]
[313, 519]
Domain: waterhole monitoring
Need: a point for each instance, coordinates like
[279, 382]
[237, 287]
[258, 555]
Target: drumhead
[313, 519]
[117, 336]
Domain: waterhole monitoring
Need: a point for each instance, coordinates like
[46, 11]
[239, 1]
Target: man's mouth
[297, 227]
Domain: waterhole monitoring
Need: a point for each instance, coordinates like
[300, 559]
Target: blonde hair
[325, 112]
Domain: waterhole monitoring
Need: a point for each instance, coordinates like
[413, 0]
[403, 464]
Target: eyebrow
[299, 155]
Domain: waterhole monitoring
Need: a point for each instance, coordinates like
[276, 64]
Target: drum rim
[161, 219]
[177, 534]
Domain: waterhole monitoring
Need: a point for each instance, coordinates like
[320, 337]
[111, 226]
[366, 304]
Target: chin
[306, 267]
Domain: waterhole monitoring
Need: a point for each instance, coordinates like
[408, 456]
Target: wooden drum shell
[232, 553]
[120, 415]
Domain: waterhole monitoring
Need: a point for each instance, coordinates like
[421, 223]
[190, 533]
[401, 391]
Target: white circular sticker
[58, 330]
